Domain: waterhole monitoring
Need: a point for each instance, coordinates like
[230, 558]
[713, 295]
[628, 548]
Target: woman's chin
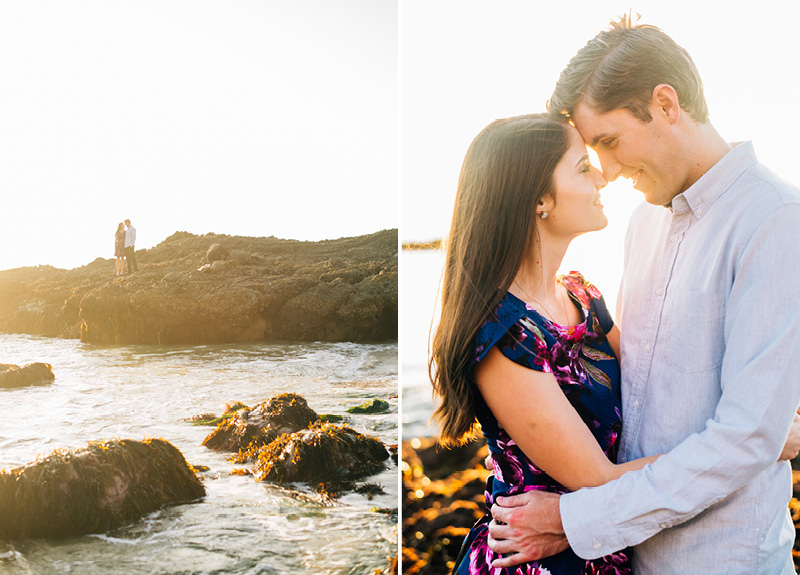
[600, 224]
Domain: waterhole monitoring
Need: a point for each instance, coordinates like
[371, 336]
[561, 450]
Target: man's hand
[792, 445]
[526, 527]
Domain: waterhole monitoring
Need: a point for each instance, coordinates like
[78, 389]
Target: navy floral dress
[587, 371]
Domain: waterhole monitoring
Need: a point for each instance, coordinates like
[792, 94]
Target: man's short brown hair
[620, 67]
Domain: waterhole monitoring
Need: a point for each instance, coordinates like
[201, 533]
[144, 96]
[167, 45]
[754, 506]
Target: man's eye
[610, 143]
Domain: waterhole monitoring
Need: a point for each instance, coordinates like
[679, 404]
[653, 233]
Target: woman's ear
[545, 206]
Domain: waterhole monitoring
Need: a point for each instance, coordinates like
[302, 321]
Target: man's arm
[760, 395]
[528, 526]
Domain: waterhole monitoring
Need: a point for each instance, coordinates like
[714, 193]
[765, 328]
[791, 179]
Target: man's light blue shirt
[710, 323]
[130, 237]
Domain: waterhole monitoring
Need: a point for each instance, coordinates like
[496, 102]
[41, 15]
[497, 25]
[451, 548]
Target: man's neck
[706, 148]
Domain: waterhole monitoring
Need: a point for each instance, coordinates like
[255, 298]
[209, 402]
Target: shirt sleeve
[760, 393]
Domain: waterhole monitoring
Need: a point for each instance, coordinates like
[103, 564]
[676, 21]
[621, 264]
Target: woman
[531, 356]
[119, 247]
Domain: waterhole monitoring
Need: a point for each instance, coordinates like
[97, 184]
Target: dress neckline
[575, 301]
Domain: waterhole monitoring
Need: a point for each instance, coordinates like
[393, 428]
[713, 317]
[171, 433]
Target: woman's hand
[792, 446]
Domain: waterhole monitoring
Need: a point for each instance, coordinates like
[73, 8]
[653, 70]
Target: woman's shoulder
[581, 288]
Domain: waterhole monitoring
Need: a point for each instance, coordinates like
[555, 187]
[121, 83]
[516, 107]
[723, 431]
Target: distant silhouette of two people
[124, 241]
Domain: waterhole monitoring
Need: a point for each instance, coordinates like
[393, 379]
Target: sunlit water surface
[241, 526]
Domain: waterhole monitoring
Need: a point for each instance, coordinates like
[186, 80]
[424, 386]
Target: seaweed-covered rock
[322, 453]
[16, 376]
[371, 406]
[93, 489]
[253, 428]
[443, 496]
[213, 419]
[331, 417]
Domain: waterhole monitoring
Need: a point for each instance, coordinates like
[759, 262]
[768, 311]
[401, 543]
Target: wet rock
[443, 496]
[29, 374]
[331, 417]
[213, 419]
[249, 429]
[320, 454]
[334, 489]
[287, 442]
[371, 406]
[93, 489]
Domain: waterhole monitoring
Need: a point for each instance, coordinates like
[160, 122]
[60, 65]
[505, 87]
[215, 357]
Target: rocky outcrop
[29, 374]
[215, 289]
[93, 489]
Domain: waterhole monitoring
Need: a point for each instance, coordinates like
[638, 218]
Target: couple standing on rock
[124, 240]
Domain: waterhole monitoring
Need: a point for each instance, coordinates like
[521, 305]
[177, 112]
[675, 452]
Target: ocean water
[241, 527]
[420, 276]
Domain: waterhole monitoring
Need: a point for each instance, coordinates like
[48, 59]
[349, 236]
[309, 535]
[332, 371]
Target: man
[710, 331]
[130, 249]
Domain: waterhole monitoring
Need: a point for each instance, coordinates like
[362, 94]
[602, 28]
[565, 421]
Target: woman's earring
[543, 215]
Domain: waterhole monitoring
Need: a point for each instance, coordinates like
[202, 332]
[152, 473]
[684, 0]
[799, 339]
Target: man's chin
[650, 196]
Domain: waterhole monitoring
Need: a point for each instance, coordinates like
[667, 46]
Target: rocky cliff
[214, 289]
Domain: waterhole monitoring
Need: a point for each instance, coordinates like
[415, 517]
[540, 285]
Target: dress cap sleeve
[516, 335]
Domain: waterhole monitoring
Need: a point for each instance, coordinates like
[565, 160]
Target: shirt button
[699, 211]
[635, 403]
[596, 544]
[663, 525]
[673, 239]
[659, 291]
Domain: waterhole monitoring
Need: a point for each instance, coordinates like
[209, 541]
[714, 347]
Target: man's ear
[665, 102]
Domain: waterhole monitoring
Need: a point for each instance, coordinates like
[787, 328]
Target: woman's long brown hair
[507, 170]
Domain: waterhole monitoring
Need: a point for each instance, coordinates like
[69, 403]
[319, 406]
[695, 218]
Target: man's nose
[610, 166]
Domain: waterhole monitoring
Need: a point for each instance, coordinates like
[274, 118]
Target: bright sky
[465, 63]
[256, 118]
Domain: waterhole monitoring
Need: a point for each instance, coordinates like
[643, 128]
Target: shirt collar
[711, 185]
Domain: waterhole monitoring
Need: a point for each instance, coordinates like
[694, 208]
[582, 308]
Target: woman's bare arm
[613, 339]
[533, 410]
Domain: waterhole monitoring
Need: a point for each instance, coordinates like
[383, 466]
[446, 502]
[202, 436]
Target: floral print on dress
[587, 371]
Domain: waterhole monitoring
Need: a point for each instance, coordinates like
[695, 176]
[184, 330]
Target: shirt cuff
[586, 518]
